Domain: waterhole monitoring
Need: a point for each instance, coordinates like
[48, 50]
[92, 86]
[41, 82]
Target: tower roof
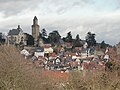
[35, 18]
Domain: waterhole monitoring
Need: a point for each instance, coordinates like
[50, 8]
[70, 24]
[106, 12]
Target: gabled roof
[15, 31]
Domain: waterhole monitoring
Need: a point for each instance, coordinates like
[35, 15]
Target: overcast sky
[101, 17]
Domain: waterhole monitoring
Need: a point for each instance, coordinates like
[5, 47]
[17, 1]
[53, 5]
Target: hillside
[16, 73]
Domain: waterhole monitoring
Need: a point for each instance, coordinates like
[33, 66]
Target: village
[59, 44]
[54, 61]
[80, 58]
[65, 55]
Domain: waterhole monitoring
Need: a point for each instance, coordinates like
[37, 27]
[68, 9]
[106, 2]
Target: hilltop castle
[17, 36]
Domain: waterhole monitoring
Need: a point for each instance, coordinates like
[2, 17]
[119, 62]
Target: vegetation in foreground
[16, 73]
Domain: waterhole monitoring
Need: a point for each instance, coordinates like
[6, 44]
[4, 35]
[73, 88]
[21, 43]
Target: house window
[21, 38]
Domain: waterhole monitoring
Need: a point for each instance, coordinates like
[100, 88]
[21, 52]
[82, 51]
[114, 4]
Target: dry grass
[96, 81]
[16, 73]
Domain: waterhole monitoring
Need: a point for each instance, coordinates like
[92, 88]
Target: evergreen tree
[77, 41]
[29, 39]
[2, 40]
[54, 37]
[44, 33]
[90, 39]
[78, 37]
[103, 45]
[68, 38]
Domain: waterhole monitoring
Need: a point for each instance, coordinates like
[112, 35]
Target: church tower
[35, 30]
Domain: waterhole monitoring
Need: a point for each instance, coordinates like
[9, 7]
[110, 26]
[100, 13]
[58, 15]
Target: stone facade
[35, 33]
[16, 36]
[35, 30]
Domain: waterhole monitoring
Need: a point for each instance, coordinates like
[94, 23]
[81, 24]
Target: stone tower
[35, 30]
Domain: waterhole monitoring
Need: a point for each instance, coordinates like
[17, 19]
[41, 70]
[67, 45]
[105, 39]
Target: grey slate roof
[39, 49]
[15, 31]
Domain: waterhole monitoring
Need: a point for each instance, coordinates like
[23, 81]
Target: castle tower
[35, 30]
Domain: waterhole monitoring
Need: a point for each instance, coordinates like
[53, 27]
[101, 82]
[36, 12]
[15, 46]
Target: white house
[39, 51]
